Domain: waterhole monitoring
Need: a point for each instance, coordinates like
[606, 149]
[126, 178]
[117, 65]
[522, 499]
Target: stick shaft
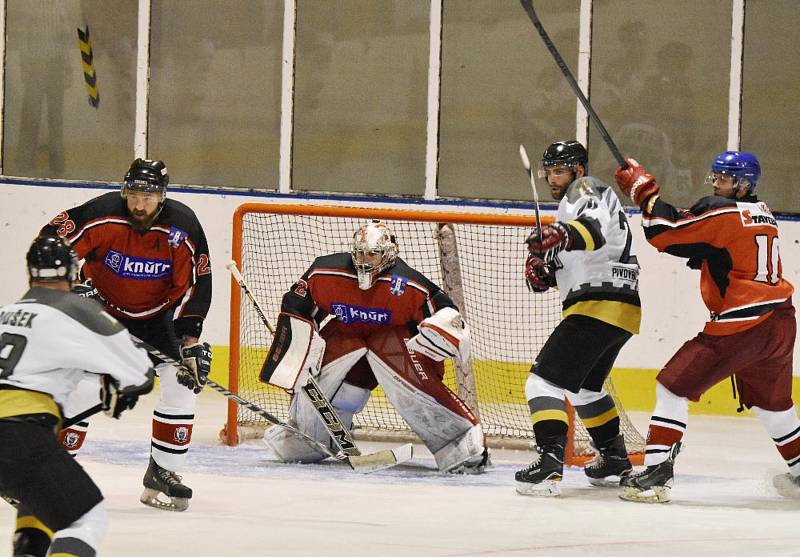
[528, 6]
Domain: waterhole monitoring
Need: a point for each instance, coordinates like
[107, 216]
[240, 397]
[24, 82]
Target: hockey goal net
[476, 258]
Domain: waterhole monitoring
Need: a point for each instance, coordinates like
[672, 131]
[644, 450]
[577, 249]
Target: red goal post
[477, 258]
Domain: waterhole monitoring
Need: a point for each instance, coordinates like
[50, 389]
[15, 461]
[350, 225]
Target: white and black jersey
[50, 340]
[599, 275]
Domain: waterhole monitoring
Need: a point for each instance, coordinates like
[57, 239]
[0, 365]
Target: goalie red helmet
[51, 259]
[147, 176]
[374, 250]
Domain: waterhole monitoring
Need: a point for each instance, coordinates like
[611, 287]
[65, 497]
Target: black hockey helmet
[146, 175]
[51, 259]
[568, 153]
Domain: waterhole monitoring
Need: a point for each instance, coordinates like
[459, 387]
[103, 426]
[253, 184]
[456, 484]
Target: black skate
[610, 464]
[787, 485]
[542, 477]
[653, 484]
[158, 481]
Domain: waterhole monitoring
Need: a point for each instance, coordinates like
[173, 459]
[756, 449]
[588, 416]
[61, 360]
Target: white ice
[246, 505]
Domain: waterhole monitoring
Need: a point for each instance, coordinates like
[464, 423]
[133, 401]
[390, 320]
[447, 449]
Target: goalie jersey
[50, 340]
[599, 276]
[735, 246]
[401, 295]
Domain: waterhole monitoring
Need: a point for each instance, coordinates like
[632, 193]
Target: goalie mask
[147, 176]
[50, 259]
[374, 250]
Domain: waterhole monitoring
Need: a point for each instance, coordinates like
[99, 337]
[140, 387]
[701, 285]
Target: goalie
[391, 326]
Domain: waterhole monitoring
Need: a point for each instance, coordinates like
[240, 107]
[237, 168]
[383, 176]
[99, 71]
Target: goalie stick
[338, 432]
[360, 463]
[528, 6]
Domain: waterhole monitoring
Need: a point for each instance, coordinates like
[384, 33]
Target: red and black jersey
[400, 296]
[140, 275]
[735, 245]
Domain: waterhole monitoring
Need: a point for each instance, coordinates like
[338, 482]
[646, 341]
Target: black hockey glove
[196, 357]
[115, 400]
[87, 290]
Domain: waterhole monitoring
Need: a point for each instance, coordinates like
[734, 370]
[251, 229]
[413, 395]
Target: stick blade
[523, 154]
[381, 460]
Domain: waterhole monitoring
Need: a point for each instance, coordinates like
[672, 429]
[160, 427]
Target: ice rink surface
[246, 505]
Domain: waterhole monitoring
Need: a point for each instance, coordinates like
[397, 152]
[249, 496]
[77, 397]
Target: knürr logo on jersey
[348, 314]
[137, 268]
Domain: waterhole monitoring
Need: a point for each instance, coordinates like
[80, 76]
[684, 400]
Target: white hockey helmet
[374, 250]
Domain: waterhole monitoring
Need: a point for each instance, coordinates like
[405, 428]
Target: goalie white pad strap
[289, 352]
[442, 335]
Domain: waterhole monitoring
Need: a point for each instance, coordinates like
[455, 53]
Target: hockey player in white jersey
[587, 253]
[50, 340]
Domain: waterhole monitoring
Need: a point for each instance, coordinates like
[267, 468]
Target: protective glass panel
[660, 73]
[69, 108]
[215, 91]
[770, 118]
[501, 87]
[361, 81]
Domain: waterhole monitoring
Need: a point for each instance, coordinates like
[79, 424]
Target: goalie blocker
[295, 348]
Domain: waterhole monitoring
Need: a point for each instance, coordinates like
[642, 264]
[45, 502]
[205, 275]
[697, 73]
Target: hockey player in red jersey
[732, 238]
[147, 259]
[50, 340]
[390, 326]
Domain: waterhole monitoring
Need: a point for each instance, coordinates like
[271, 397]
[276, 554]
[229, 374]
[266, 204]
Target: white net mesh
[508, 324]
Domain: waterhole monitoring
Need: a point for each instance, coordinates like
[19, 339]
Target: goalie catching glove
[115, 401]
[196, 357]
[442, 335]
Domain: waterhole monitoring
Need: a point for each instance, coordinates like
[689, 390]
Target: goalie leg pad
[413, 385]
[466, 454]
[292, 448]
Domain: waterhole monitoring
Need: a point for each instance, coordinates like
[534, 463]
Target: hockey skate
[609, 465]
[542, 477]
[653, 484]
[787, 485]
[160, 481]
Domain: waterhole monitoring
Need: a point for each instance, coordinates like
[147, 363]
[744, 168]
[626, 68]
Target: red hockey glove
[555, 237]
[636, 183]
[539, 276]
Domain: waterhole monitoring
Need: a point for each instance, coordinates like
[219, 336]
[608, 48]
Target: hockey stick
[526, 162]
[359, 463]
[528, 5]
[82, 416]
[338, 432]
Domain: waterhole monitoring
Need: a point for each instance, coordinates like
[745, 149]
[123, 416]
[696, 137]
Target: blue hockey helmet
[741, 165]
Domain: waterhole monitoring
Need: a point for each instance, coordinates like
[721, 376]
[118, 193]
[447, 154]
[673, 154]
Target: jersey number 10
[767, 259]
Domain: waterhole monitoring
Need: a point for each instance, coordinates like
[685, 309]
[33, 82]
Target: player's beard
[141, 221]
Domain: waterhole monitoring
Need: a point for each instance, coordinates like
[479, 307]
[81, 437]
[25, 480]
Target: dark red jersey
[141, 275]
[400, 296]
[735, 245]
